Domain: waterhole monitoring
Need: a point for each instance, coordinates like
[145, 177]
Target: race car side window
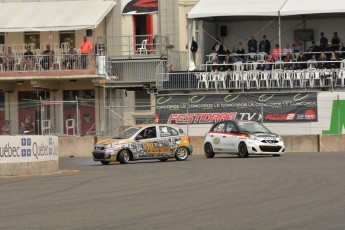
[167, 131]
[230, 127]
[219, 127]
[149, 132]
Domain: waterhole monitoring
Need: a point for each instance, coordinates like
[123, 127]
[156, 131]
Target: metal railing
[132, 46]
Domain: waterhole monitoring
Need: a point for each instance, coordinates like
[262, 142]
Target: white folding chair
[57, 61]
[143, 47]
[203, 79]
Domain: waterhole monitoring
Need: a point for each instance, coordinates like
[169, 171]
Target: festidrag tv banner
[211, 108]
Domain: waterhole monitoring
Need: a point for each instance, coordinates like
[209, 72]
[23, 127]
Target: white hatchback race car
[243, 138]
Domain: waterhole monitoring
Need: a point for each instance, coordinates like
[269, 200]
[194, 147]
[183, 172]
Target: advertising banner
[18, 149]
[211, 108]
[139, 6]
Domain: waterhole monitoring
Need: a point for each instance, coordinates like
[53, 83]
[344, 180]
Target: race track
[295, 191]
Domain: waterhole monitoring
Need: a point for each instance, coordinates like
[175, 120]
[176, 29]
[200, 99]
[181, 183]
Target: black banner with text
[211, 108]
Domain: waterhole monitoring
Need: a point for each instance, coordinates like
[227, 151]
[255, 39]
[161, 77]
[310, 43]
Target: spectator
[70, 58]
[335, 41]
[277, 52]
[252, 45]
[312, 50]
[329, 49]
[334, 64]
[218, 47]
[298, 45]
[269, 62]
[312, 63]
[10, 58]
[228, 63]
[226, 50]
[323, 41]
[265, 45]
[301, 61]
[22, 128]
[194, 49]
[287, 49]
[6, 128]
[85, 48]
[47, 58]
[341, 51]
[215, 64]
[288, 59]
[28, 59]
[28, 126]
[322, 61]
[240, 51]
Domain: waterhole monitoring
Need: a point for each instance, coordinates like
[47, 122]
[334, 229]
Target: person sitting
[322, 61]
[228, 63]
[312, 50]
[312, 63]
[269, 62]
[28, 60]
[6, 128]
[288, 59]
[301, 61]
[334, 64]
[298, 45]
[48, 56]
[286, 50]
[277, 52]
[70, 58]
[341, 51]
[215, 64]
[10, 59]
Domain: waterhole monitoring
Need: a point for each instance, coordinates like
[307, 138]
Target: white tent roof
[52, 16]
[219, 8]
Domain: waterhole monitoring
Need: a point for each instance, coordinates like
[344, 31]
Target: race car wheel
[208, 150]
[124, 156]
[105, 162]
[242, 150]
[181, 154]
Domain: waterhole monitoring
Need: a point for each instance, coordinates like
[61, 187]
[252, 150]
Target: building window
[142, 100]
[32, 37]
[67, 36]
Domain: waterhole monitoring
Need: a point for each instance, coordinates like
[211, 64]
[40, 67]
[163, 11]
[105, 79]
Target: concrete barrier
[332, 143]
[26, 155]
[76, 146]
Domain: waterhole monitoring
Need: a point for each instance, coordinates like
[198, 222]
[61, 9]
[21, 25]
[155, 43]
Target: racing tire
[105, 162]
[124, 156]
[181, 154]
[242, 150]
[208, 150]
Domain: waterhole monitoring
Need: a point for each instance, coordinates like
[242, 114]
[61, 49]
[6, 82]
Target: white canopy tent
[223, 8]
[227, 10]
[53, 16]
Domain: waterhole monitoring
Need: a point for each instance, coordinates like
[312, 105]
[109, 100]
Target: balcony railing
[245, 76]
[140, 46]
[50, 64]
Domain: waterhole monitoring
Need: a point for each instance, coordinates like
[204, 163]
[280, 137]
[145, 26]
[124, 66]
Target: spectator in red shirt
[85, 48]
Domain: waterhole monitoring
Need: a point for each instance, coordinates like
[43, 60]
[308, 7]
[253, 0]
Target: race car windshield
[252, 127]
[128, 133]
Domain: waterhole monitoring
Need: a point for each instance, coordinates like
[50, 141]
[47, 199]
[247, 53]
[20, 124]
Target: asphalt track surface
[295, 191]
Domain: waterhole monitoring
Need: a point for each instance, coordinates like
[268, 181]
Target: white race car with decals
[242, 138]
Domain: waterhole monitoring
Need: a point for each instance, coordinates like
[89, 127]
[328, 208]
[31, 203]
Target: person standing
[265, 45]
[85, 48]
[323, 41]
[252, 45]
[194, 49]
